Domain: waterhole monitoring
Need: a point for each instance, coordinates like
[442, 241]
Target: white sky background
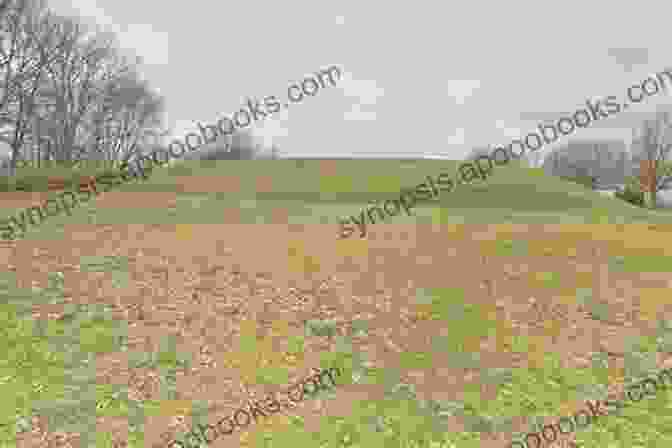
[421, 76]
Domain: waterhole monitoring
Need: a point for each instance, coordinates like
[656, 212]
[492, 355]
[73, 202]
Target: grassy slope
[511, 195]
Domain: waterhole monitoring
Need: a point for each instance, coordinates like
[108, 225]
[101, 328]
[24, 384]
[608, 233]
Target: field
[494, 311]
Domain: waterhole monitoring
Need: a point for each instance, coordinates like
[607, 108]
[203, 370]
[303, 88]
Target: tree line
[68, 93]
[66, 90]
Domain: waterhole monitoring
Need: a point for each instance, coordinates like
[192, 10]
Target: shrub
[632, 192]
[633, 197]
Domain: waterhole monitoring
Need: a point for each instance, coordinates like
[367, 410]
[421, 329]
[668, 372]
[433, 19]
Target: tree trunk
[647, 180]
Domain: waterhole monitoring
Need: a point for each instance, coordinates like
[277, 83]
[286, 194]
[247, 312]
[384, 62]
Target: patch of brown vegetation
[221, 280]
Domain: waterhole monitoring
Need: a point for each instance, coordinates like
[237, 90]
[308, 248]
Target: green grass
[596, 309]
[48, 366]
[511, 195]
[538, 393]
[549, 280]
[49, 370]
[404, 418]
[641, 263]
[465, 319]
[510, 248]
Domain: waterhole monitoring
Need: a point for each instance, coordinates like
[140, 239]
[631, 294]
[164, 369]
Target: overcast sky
[420, 76]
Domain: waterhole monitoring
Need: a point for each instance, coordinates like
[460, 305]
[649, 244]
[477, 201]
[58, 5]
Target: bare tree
[66, 91]
[28, 48]
[73, 83]
[656, 145]
[132, 111]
